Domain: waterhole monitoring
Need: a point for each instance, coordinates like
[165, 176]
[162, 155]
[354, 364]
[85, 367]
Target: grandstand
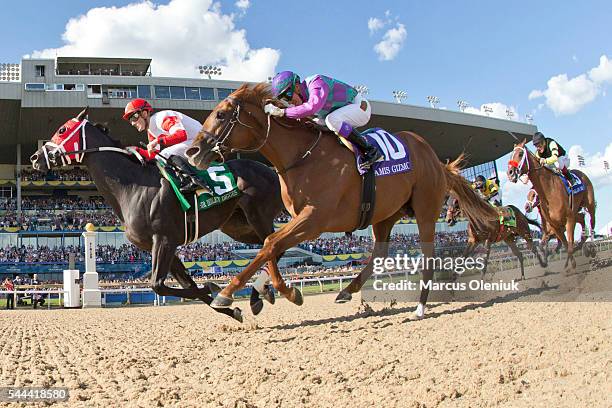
[42, 215]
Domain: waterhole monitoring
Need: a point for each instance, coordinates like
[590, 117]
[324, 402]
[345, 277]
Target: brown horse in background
[321, 187]
[495, 232]
[556, 207]
[533, 201]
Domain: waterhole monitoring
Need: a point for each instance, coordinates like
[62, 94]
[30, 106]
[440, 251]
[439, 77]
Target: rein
[228, 127]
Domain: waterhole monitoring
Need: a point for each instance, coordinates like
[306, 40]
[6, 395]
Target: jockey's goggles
[134, 118]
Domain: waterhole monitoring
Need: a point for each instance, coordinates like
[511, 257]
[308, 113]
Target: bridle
[226, 131]
[524, 160]
[228, 127]
[55, 153]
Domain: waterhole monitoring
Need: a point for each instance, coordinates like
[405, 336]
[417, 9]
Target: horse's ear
[83, 114]
[524, 142]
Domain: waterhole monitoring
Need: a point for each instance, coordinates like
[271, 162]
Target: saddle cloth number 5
[390, 146]
[222, 183]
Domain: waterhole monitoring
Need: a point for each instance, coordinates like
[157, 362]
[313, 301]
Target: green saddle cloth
[219, 179]
[507, 216]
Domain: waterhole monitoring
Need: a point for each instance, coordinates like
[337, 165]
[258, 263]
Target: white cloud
[242, 5]
[574, 58]
[392, 43]
[177, 36]
[603, 72]
[375, 24]
[498, 110]
[567, 96]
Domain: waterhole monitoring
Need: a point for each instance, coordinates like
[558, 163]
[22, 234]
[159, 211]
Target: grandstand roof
[30, 115]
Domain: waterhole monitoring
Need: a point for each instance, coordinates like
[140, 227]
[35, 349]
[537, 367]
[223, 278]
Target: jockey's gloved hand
[274, 110]
[542, 162]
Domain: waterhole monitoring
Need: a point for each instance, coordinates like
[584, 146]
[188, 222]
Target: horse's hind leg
[381, 232]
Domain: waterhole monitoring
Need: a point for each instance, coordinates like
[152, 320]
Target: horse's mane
[260, 94]
[102, 127]
[256, 94]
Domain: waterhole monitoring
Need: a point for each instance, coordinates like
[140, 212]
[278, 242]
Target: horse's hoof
[268, 294]
[257, 306]
[343, 297]
[221, 302]
[238, 315]
[212, 287]
[420, 311]
[298, 299]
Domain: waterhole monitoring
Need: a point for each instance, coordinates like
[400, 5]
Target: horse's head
[452, 210]
[517, 165]
[237, 123]
[68, 138]
[532, 201]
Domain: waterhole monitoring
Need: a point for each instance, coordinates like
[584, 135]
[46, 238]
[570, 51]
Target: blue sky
[481, 52]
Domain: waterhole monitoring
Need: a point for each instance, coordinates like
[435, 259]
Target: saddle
[221, 184]
[397, 160]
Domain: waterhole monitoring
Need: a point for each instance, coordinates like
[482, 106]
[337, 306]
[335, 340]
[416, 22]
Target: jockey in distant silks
[170, 133]
[489, 190]
[552, 155]
[338, 104]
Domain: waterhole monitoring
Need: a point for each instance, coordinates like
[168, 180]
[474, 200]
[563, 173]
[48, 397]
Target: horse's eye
[62, 130]
[220, 115]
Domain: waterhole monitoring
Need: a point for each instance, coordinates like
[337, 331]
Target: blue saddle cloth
[396, 154]
[577, 184]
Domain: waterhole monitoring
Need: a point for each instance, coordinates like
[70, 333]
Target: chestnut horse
[321, 187]
[496, 232]
[557, 209]
[533, 201]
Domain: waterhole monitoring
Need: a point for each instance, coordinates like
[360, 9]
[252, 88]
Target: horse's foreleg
[163, 261]
[192, 291]
[569, 229]
[297, 230]
[488, 244]
[517, 252]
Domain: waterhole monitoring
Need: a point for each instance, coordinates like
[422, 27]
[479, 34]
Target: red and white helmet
[137, 105]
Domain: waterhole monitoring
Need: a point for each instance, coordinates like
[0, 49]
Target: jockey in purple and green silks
[338, 104]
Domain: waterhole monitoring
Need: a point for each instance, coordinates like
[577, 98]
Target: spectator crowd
[213, 252]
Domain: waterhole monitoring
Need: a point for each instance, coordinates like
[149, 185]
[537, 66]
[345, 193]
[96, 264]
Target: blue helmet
[283, 84]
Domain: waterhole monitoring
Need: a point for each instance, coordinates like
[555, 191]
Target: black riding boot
[369, 152]
[189, 180]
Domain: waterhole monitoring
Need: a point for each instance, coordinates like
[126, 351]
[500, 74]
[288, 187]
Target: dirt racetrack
[322, 354]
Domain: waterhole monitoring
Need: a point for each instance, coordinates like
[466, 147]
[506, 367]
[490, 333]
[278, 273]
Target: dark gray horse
[149, 210]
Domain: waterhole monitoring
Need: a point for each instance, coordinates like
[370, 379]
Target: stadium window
[207, 94]
[224, 92]
[34, 87]
[162, 92]
[177, 92]
[144, 91]
[40, 70]
[192, 93]
[94, 91]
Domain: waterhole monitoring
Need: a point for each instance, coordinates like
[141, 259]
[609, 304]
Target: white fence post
[92, 297]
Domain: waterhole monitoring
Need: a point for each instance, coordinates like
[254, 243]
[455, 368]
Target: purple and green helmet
[283, 84]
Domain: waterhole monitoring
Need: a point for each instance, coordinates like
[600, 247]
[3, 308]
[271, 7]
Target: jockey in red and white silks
[169, 132]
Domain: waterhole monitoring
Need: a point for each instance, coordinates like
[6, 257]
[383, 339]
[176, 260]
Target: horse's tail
[475, 208]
